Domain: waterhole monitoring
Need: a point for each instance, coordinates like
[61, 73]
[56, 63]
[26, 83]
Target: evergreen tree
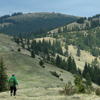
[85, 70]
[28, 48]
[52, 61]
[74, 69]
[98, 81]
[23, 45]
[58, 61]
[78, 52]
[88, 80]
[32, 54]
[48, 57]
[69, 61]
[3, 76]
[66, 46]
[59, 30]
[79, 71]
[28, 41]
[20, 36]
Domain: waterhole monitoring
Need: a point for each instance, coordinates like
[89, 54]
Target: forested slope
[27, 23]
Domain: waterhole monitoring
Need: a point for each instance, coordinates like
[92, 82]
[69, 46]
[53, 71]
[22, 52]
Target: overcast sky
[84, 8]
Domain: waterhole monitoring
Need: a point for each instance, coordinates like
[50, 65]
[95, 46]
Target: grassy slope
[84, 57]
[35, 82]
[27, 70]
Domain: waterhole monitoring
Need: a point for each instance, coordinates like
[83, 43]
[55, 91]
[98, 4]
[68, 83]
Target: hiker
[12, 83]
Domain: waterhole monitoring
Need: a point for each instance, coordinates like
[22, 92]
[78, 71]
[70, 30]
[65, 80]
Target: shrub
[80, 86]
[69, 89]
[97, 91]
[54, 73]
[41, 62]
[61, 71]
[61, 79]
[43, 66]
[19, 50]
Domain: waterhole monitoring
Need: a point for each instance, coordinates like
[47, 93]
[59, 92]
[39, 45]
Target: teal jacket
[14, 79]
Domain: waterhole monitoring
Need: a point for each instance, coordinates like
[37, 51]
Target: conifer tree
[88, 80]
[58, 61]
[28, 48]
[74, 69]
[69, 61]
[85, 70]
[48, 57]
[78, 52]
[32, 54]
[28, 41]
[3, 76]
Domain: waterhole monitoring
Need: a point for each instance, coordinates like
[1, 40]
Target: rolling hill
[31, 77]
[35, 82]
[27, 23]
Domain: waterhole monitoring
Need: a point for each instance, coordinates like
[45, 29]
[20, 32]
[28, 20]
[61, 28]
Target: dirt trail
[45, 94]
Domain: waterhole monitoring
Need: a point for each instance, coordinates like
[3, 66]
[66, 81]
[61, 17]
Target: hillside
[27, 23]
[27, 70]
[82, 23]
[35, 82]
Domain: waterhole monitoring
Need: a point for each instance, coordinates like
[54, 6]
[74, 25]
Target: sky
[82, 8]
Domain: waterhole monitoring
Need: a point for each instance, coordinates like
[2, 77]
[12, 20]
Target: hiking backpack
[12, 82]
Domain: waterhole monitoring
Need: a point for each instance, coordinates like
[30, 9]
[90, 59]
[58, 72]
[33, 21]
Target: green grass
[34, 81]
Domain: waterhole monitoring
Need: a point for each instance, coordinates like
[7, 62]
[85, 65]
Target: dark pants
[13, 89]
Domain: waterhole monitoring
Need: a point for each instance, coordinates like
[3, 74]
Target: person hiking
[12, 83]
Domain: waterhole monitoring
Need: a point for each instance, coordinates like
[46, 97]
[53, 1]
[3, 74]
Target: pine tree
[69, 61]
[28, 41]
[85, 70]
[52, 61]
[88, 80]
[58, 61]
[78, 52]
[74, 69]
[3, 76]
[32, 54]
[48, 57]
[28, 48]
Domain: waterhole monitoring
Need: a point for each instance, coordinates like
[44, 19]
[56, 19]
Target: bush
[69, 89]
[61, 79]
[80, 86]
[97, 91]
[19, 50]
[54, 73]
[43, 66]
[41, 62]
[61, 71]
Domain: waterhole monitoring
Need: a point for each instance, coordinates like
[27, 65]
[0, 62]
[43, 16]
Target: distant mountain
[26, 23]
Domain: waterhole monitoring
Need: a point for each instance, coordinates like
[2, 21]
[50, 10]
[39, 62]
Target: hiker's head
[13, 75]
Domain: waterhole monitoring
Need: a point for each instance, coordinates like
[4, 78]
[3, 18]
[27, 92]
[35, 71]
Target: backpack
[12, 82]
